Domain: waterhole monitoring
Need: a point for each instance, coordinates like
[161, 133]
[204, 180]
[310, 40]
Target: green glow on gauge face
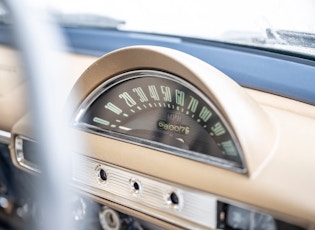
[154, 110]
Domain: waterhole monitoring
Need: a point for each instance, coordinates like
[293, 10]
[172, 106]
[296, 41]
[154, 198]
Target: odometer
[164, 112]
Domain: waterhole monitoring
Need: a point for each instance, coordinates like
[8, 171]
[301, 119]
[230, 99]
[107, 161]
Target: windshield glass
[287, 25]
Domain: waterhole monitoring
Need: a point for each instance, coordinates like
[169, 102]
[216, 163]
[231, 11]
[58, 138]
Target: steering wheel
[41, 43]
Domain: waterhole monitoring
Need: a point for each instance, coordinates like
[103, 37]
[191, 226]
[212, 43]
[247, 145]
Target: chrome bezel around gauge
[193, 155]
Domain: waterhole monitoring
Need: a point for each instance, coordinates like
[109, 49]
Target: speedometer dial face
[161, 111]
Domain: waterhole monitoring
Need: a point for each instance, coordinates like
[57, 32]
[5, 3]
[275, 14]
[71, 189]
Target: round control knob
[109, 219]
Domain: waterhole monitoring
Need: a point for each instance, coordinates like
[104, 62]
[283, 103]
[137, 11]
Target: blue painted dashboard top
[276, 73]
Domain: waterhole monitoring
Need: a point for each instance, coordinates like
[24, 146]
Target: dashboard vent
[26, 152]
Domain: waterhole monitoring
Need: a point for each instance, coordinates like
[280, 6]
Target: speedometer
[162, 111]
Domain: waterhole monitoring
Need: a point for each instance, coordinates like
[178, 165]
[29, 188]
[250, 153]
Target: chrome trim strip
[189, 208]
[196, 209]
[19, 154]
[5, 137]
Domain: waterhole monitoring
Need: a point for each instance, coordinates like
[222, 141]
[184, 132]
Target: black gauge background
[141, 119]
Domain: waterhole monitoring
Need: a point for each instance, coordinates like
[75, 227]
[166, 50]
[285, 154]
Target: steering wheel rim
[41, 43]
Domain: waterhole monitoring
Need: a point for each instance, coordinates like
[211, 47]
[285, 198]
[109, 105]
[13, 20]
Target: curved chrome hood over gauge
[161, 111]
[144, 95]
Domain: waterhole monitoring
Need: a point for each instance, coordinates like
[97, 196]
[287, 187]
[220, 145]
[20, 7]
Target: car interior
[155, 132]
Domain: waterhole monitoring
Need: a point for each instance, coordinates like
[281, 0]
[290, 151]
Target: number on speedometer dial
[164, 112]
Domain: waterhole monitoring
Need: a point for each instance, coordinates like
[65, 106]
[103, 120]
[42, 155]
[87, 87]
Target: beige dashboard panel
[276, 135]
[270, 137]
[13, 92]
[281, 186]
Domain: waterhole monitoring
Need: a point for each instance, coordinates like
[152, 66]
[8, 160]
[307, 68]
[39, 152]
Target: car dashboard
[169, 141]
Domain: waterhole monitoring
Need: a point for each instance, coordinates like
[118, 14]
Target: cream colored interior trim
[273, 134]
[13, 88]
[282, 183]
[10, 78]
[248, 121]
[12, 91]
[282, 103]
